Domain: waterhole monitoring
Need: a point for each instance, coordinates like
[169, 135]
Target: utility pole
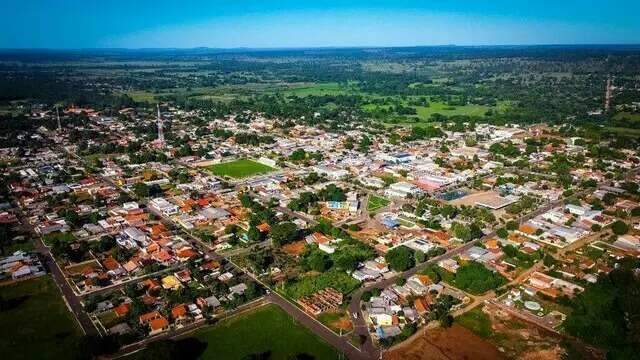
[58, 116]
[607, 94]
[160, 129]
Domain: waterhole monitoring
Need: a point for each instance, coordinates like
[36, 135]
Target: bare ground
[454, 343]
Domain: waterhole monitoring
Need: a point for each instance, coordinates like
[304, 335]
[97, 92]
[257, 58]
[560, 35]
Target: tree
[254, 235]
[476, 278]
[318, 261]
[106, 243]
[607, 314]
[284, 233]
[619, 227]
[246, 201]
[141, 190]
[400, 258]
[332, 193]
[502, 233]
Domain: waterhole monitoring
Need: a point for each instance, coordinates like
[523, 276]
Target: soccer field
[239, 169]
[376, 202]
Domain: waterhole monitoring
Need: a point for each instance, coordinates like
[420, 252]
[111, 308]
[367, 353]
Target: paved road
[342, 344]
[70, 297]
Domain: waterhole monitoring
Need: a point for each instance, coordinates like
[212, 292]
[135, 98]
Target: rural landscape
[319, 202]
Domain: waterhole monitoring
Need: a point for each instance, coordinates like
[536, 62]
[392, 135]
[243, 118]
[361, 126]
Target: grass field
[35, 321]
[319, 89]
[266, 329]
[425, 113]
[376, 202]
[625, 131]
[239, 169]
[64, 237]
[476, 321]
[627, 115]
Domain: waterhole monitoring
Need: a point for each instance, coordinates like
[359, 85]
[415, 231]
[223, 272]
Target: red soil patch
[294, 248]
[454, 343]
[343, 323]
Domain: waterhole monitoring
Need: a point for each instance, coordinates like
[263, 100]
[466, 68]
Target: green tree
[619, 227]
[284, 233]
[141, 190]
[318, 261]
[400, 258]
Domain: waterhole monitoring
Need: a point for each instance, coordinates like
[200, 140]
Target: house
[373, 182]
[145, 318]
[179, 312]
[238, 289]
[163, 206]
[330, 172]
[122, 309]
[158, 325]
[329, 249]
[211, 302]
[214, 213]
[170, 282]
[628, 241]
[321, 301]
[136, 235]
[421, 305]
[317, 238]
[420, 245]
[449, 264]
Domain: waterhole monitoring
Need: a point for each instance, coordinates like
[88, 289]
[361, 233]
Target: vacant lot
[239, 168]
[268, 329]
[476, 321]
[455, 342]
[516, 339]
[338, 321]
[35, 321]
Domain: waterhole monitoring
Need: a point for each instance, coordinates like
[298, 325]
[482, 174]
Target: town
[295, 180]
[370, 241]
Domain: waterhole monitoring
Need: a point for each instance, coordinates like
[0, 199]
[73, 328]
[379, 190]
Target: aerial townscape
[350, 202]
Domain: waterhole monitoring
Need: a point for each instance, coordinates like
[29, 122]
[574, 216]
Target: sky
[74, 24]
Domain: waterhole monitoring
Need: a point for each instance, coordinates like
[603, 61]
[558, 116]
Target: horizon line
[328, 47]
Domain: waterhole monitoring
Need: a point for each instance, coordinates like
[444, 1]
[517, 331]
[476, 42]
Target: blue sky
[262, 23]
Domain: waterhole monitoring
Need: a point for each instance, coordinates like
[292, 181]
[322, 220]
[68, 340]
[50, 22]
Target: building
[163, 206]
[402, 190]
